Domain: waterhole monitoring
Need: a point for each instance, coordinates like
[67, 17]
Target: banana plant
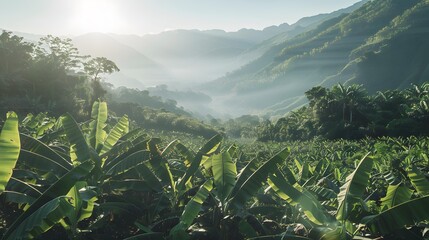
[9, 149]
[230, 191]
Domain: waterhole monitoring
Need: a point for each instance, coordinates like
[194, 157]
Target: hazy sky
[64, 17]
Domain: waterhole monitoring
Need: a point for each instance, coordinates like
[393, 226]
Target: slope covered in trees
[53, 77]
[363, 47]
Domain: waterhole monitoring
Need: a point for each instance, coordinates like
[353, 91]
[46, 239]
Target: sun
[96, 16]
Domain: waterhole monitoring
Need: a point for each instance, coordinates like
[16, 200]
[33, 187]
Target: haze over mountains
[381, 44]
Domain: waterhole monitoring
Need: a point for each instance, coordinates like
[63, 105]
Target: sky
[75, 17]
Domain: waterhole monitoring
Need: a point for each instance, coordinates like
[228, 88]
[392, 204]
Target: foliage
[349, 112]
[115, 183]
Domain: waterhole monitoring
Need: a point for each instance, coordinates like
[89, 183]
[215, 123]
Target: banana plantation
[104, 179]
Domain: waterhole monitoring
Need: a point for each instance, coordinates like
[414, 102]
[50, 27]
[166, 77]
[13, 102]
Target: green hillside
[364, 47]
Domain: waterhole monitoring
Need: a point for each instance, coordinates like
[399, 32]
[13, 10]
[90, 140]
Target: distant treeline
[349, 112]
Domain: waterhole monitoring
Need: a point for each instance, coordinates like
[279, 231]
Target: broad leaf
[79, 149]
[35, 146]
[42, 163]
[246, 188]
[312, 208]
[60, 188]
[9, 148]
[419, 181]
[354, 187]
[210, 147]
[396, 194]
[224, 173]
[194, 206]
[42, 219]
[129, 162]
[119, 130]
[97, 136]
[397, 217]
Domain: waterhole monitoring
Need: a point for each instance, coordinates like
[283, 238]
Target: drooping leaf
[224, 174]
[35, 146]
[395, 195]
[9, 148]
[18, 197]
[42, 163]
[129, 163]
[354, 187]
[194, 205]
[210, 147]
[419, 181]
[21, 186]
[42, 219]
[186, 153]
[59, 188]
[249, 186]
[312, 208]
[399, 216]
[149, 176]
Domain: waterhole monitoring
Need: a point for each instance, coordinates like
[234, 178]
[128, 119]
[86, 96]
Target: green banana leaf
[399, 216]
[312, 208]
[42, 163]
[21, 186]
[247, 185]
[354, 187]
[224, 174]
[129, 163]
[60, 188]
[79, 149]
[119, 130]
[419, 181]
[33, 145]
[185, 152]
[194, 205]
[97, 135]
[9, 148]
[210, 147]
[42, 219]
[149, 176]
[396, 194]
[18, 197]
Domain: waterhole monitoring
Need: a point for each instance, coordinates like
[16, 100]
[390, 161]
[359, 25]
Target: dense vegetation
[103, 180]
[381, 45]
[51, 76]
[348, 165]
[349, 112]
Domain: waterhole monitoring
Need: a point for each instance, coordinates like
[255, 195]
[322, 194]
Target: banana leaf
[224, 173]
[60, 188]
[41, 220]
[120, 129]
[406, 214]
[9, 149]
[354, 187]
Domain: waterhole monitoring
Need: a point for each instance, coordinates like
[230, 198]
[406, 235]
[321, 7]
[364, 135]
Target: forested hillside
[53, 77]
[363, 47]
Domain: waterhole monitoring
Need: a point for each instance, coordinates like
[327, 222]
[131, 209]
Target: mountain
[382, 45]
[302, 25]
[137, 70]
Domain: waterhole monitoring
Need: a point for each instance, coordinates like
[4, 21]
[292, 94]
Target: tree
[94, 68]
[60, 51]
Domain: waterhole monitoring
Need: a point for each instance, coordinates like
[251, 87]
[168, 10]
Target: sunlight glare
[96, 16]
